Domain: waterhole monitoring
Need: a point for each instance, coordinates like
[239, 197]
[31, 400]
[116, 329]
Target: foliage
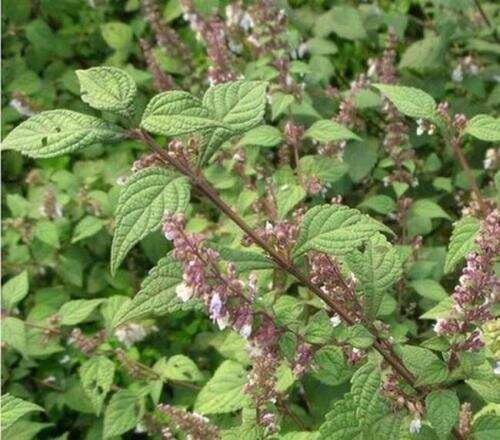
[250, 219]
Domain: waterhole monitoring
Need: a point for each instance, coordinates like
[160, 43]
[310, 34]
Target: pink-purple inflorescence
[477, 290]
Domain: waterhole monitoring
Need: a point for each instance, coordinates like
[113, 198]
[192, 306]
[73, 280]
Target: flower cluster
[86, 344]
[261, 387]
[166, 37]
[195, 426]
[162, 80]
[131, 333]
[477, 290]
[281, 236]
[228, 300]
[466, 66]
[147, 161]
[326, 273]
[213, 33]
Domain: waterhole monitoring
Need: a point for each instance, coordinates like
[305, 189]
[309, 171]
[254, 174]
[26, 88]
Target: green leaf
[345, 21]
[428, 209]
[329, 131]
[370, 406]
[410, 101]
[334, 229]
[442, 411]
[117, 35]
[107, 88]
[358, 336]
[319, 330]
[326, 169]
[13, 408]
[341, 422]
[330, 366]
[379, 203]
[484, 127]
[78, 310]
[489, 390]
[424, 364]
[244, 261]
[181, 368]
[57, 132]
[121, 414]
[486, 427]
[461, 242]
[96, 376]
[15, 290]
[87, 227]
[263, 136]
[428, 288]
[287, 197]
[175, 113]
[361, 157]
[424, 55]
[238, 106]
[14, 334]
[47, 232]
[157, 295]
[377, 268]
[148, 194]
[223, 393]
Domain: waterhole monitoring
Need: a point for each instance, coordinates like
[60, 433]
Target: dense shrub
[250, 219]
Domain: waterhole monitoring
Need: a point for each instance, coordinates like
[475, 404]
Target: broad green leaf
[377, 268]
[13, 408]
[410, 101]
[13, 333]
[263, 136]
[87, 227]
[329, 131]
[330, 366]
[175, 113]
[424, 55]
[442, 411]
[393, 427]
[57, 132]
[484, 127]
[181, 368]
[486, 427]
[107, 88]
[120, 415]
[238, 106]
[24, 429]
[379, 203]
[428, 288]
[334, 229]
[461, 242]
[428, 209]
[15, 290]
[78, 310]
[361, 157]
[244, 261]
[148, 194]
[96, 375]
[359, 337]
[424, 364]
[46, 231]
[287, 197]
[223, 393]
[157, 295]
[370, 406]
[326, 169]
[319, 330]
[441, 310]
[345, 21]
[117, 35]
[489, 390]
[341, 423]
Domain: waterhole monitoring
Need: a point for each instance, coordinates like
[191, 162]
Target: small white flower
[420, 127]
[121, 180]
[335, 320]
[496, 369]
[415, 426]
[65, 359]
[131, 333]
[438, 326]
[457, 75]
[184, 292]
[246, 331]
[21, 108]
[223, 322]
